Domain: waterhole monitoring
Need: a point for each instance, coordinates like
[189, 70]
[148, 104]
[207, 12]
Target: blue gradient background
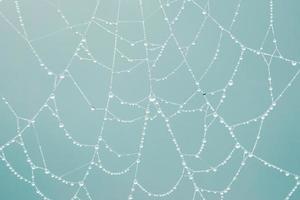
[26, 86]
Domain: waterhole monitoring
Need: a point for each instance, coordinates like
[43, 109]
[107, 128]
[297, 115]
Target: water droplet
[152, 98]
[93, 108]
[110, 95]
[52, 96]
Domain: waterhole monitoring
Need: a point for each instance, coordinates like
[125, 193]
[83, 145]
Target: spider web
[132, 78]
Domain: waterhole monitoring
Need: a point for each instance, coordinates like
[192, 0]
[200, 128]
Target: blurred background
[216, 82]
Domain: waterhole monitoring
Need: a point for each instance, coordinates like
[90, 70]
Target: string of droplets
[152, 99]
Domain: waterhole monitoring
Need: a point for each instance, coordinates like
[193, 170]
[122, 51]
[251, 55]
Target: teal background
[25, 85]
